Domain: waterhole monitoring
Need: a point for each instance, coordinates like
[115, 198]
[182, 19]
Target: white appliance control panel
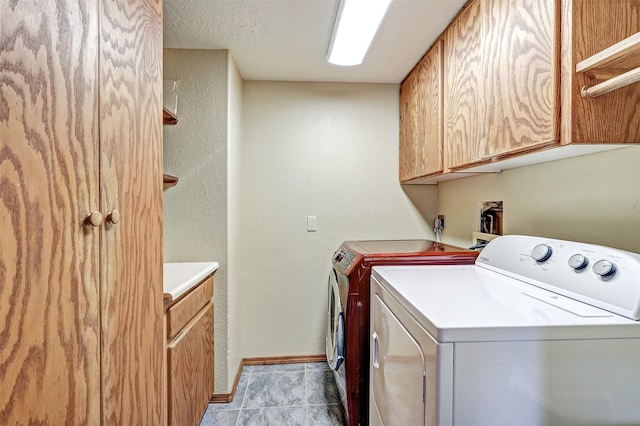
[343, 257]
[600, 276]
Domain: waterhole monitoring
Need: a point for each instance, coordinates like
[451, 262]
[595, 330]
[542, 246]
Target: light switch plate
[312, 223]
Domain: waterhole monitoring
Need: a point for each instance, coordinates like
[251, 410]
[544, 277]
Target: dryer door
[335, 324]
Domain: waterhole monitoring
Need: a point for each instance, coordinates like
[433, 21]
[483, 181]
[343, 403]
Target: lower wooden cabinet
[190, 375]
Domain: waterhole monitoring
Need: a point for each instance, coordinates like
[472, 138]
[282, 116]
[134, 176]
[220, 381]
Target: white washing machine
[537, 332]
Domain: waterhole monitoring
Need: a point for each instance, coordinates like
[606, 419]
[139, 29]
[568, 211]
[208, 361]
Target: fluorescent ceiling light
[356, 25]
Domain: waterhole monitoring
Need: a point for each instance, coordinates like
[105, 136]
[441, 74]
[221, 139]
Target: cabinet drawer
[179, 314]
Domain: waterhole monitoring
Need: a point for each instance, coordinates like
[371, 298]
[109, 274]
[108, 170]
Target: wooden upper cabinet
[410, 135]
[462, 88]
[511, 86]
[502, 80]
[432, 161]
[520, 75]
[421, 118]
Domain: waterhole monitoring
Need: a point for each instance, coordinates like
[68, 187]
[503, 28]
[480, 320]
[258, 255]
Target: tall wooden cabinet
[81, 212]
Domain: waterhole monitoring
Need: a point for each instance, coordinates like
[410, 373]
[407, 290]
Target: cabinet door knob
[94, 218]
[113, 216]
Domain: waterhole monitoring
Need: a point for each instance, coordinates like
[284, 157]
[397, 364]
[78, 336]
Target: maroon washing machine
[348, 314]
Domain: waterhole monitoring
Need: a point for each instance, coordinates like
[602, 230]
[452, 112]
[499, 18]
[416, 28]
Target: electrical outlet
[441, 219]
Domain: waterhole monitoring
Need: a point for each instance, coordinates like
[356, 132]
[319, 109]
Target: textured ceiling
[287, 40]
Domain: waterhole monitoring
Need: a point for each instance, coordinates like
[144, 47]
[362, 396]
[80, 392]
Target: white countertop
[181, 277]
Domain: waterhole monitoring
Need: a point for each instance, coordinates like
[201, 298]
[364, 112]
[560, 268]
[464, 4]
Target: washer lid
[468, 303]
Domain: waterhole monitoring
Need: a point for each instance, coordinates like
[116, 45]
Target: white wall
[234, 326]
[195, 150]
[254, 159]
[329, 150]
[593, 198]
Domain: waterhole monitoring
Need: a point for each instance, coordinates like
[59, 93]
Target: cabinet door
[397, 370]
[131, 182]
[463, 71]
[521, 84]
[190, 370]
[49, 301]
[421, 118]
[409, 125]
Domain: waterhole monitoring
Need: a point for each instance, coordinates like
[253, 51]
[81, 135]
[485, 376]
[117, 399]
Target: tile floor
[288, 394]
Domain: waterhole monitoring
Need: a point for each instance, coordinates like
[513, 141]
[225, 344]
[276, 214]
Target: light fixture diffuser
[356, 25]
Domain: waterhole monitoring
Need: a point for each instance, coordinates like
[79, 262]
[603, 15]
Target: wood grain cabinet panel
[611, 118]
[421, 118]
[188, 306]
[463, 79]
[49, 175]
[80, 132]
[410, 102]
[131, 251]
[501, 73]
[520, 69]
[511, 88]
[190, 370]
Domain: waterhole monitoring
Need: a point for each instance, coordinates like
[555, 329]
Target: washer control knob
[541, 252]
[578, 262]
[604, 268]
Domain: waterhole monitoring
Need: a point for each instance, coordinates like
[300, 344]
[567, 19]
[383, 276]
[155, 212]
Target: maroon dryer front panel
[352, 264]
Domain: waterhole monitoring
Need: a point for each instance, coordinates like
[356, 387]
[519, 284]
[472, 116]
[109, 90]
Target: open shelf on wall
[617, 66]
[168, 181]
[168, 117]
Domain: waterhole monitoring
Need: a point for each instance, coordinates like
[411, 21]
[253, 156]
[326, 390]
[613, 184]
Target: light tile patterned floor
[288, 394]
